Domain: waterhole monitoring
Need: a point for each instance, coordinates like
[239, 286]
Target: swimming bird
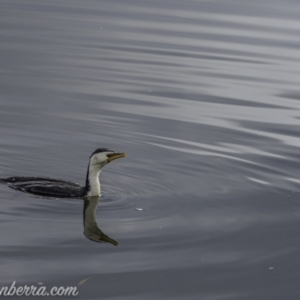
[52, 187]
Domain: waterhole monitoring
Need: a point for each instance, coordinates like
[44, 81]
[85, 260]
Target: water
[203, 96]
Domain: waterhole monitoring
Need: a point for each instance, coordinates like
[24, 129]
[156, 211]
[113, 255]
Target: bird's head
[103, 156]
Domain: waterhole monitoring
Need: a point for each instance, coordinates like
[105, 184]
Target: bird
[57, 188]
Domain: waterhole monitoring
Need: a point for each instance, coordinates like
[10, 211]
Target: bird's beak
[114, 156]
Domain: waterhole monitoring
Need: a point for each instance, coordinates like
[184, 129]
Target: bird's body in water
[51, 187]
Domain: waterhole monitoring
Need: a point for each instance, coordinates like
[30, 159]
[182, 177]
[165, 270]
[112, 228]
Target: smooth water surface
[204, 98]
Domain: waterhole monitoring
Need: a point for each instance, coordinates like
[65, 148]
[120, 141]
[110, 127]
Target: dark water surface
[204, 98]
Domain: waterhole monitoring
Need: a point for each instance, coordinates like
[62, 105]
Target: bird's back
[50, 187]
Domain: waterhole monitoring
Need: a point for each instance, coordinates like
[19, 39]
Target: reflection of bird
[91, 229]
[51, 187]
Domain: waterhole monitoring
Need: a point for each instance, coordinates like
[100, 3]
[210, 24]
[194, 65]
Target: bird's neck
[92, 183]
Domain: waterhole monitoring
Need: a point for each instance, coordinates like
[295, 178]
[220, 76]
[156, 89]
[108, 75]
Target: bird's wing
[50, 189]
[16, 180]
